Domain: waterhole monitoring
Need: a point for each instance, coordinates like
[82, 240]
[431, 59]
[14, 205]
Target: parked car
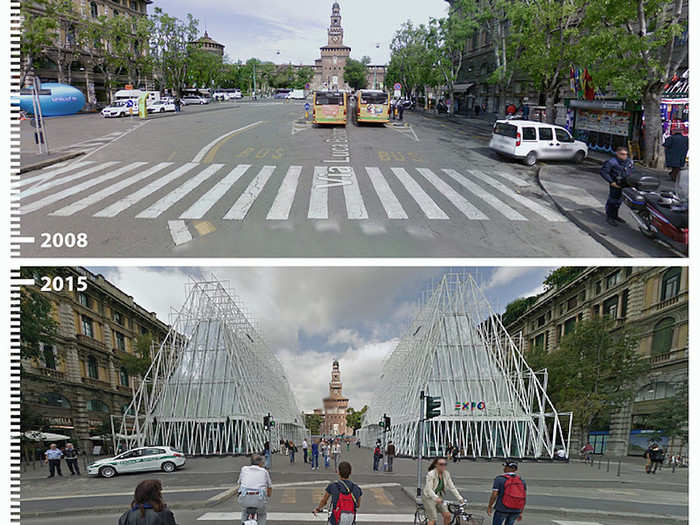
[297, 94]
[161, 106]
[142, 459]
[531, 141]
[190, 100]
[120, 109]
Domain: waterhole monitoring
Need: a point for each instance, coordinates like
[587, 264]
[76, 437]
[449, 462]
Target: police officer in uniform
[53, 457]
[71, 455]
[615, 171]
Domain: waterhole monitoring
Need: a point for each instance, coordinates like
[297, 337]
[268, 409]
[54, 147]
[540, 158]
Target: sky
[297, 29]
[311, 316]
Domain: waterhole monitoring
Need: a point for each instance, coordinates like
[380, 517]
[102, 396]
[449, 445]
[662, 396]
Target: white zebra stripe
[110, 190]
[431, 210]
[207, 201]
[48, 173]
[540, 210]
[119, 206]
[391, 204]
[179, 232]
[55, 197]
[318, 204]
[512, 178]
[354, 204]
[70, 178]
[467, 208]
[175, 196]
[282, 206]
[485, 196]
[242, 206]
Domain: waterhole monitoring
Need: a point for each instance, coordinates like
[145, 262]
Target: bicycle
[252, 516]
[459, 514]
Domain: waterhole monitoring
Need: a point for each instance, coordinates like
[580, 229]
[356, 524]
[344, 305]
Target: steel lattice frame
[212, 381]
[457, 349]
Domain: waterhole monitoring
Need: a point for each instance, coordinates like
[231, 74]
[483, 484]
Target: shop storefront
[604, 124]
[675, 108]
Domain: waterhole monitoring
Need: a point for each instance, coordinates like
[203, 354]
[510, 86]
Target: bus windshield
[374, 98]
[330, 99]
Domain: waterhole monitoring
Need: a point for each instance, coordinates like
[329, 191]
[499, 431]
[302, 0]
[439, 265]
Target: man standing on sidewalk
[676, 147]
[615, 171]
[509, 494]
[71, 455]
[390, 454]
[53, 457]
[305, 448]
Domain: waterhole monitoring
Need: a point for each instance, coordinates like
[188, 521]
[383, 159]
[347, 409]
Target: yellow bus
[330, 107]
[372, 106]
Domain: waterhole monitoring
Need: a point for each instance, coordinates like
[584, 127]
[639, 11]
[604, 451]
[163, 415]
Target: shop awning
[678, 88]
[463, 88]
[44, 436]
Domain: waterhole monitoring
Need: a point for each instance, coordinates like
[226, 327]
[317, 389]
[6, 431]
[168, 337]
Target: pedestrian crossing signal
[432, 407]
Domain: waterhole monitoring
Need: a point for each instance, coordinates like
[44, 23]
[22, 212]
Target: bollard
[608, 467]
[619, 466]
[599, 463]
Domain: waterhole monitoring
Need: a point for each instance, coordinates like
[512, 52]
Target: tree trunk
[551, 117]
[451, 91]
[501, 109]
[653, 132]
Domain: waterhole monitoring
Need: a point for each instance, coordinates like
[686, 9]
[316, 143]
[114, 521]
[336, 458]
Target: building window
[84, 299]
[95, 405]
[128, 411]
[569, 325]
[540, 321]
[655, 391]
[561, 309]
[117, 317]
[93, 10]
[123, 377]
[120, 341]
[596, 311]
[49, 354]
[539, 342]
[571, 303]
[54, 399]
[133, 5]
[92, 368]
[87, 326]
[625, 303]
[628, 271]
[598, 287]
[662, 340]
[670, 283]
[610, 307]
[582, 296]
[144, 331]
[612, 279]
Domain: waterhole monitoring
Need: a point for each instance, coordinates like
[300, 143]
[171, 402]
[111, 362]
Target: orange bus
[330, 107]
[372, 106]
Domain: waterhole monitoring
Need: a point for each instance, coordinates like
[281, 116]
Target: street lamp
[375, 68]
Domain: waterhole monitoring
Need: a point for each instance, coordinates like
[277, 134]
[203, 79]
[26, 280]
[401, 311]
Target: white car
[190, 100]
[161, 106]
[237, 94]
[531, 141]
[142, 459]
[120, 109]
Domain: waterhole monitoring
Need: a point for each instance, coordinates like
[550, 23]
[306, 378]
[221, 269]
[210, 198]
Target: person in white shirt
[305, 448]
[335, 451]
[254, 489]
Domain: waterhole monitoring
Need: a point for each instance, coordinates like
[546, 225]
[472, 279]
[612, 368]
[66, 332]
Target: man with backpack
[376, 456]
[345, 498]
[508, 496]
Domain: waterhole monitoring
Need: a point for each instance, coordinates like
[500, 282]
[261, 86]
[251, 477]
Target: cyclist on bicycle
[437, 482]
[254, 489]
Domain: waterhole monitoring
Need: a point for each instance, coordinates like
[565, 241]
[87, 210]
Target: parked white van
[531, 141]
[297, 94]
[134, 94]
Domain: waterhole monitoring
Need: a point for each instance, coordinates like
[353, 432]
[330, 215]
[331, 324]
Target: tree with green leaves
[594, 372]
[562, 276]
[553, 41]
[38, 323]
[671, 416]
[354, 417]
[204, 69]
[637, 48]
[412, 60]
[516, 309]
[170, 48]
[313, 423]
[138, 363]
[304, 75]
[38, 27]
[356, 74]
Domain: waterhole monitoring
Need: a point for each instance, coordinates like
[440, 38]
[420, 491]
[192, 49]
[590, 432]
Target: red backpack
[344, 511]
[514, 493]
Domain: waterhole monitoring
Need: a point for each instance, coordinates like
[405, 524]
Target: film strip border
[16, 283]
[15, 78]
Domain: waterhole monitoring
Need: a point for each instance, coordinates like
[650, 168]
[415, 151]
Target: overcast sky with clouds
[310, 316]
[297, 29]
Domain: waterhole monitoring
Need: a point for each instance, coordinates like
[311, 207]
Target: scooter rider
[615, 171]
[255, 489]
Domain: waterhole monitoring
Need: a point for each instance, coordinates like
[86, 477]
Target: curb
[223, 496]
[651, 519]
[50, 162]
[612, 248]
[106, 510]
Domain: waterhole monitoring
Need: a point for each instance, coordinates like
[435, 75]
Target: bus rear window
[329, 99]
[374, 98]
[507, 130]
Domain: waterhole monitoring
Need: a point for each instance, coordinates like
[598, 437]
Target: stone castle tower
[330, 68]
[335, 406]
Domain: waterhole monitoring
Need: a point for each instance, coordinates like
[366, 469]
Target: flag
[588, 87]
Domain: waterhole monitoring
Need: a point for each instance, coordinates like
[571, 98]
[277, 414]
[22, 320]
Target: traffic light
[266, 422]
[387, 423]
[432, 407]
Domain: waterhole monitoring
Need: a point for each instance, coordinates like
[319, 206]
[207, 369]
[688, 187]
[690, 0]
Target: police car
[142, 459]
[121, 108]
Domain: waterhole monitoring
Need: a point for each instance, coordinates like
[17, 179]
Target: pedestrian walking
[335, 451]
[326, 451]
[402, 108]
[586, 452]
[345, 498]
[71, 455]
[314, 455]
[178, 104]
[438, 483]
[390, 455]
[508, 496]
[526, 112]
[655, 458]
[53, 457]
[615, 172]
[305, 450]
[347, 445]
[376, 456]
[148, 507]
[268, 455]
[292, 451]
[676, 147]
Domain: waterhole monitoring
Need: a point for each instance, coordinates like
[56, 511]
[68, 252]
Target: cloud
[345, 336]
[506, 275]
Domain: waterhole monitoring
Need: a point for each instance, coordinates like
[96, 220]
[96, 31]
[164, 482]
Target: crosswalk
[97, 142]
[199, 191]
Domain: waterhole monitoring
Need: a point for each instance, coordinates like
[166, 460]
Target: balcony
[661, 305]
[96, 383]
[53, 374]
[124, 389]
[669, 357]
[91, 342]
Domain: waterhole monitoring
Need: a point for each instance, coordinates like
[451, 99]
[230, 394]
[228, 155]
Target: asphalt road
[256, 180]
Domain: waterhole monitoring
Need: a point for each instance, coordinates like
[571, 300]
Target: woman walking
[148, 507]
[335, 450]
[292, 451]
[437, 483]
